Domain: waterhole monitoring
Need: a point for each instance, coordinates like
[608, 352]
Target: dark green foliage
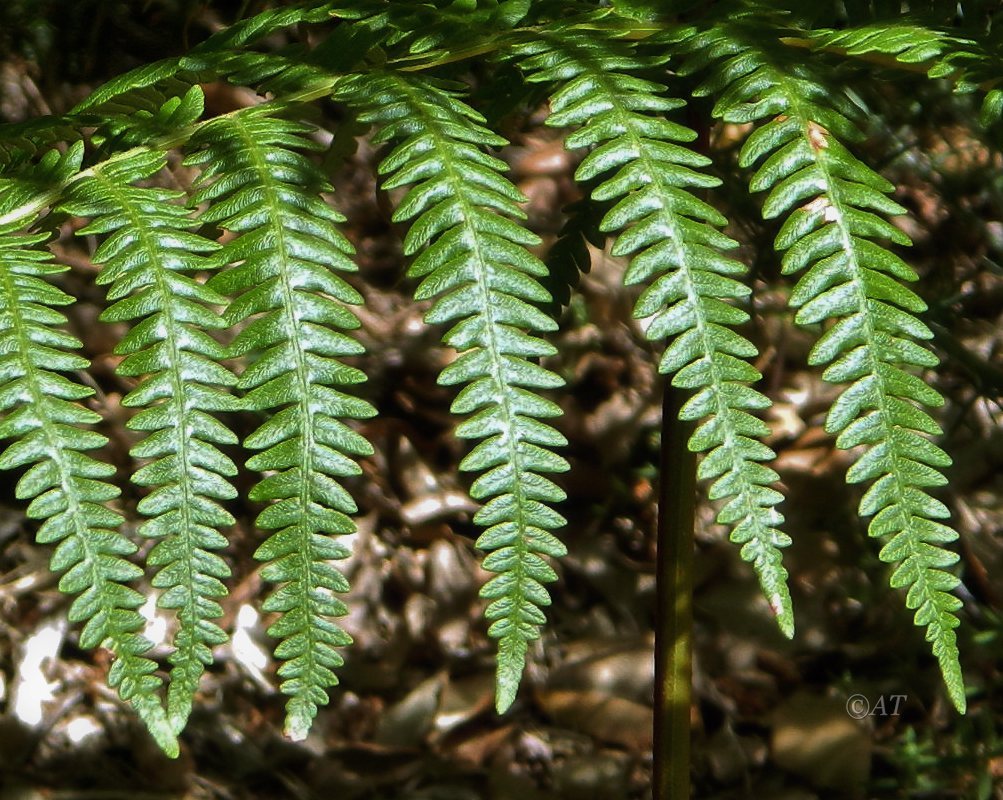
[270, 300]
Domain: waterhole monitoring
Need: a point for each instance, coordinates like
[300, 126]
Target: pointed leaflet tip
[179, 708]
[301, 710]
[296, 729]
[954, 681]
[511, 660]
[153, 716]
[782, 608]
[504, 697]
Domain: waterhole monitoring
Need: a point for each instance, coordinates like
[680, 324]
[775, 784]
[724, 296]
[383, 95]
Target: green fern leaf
[674, 242]
[67, 487]
[24, 141]
[254, 29]
[473, 261]
[970, 62]
[148, 251]
[833, 233]
[146, 87]
[284, 259]
[145, 117]
[908, 42]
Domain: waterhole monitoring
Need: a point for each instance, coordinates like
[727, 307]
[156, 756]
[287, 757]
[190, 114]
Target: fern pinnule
[283, 270]
[145, 256]
[474, 263]
[674, 242]
[834, 232]
[67, 487]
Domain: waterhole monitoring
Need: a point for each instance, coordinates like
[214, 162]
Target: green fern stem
[475, 264]
[677, 495]
[672, 237]
[284, 259]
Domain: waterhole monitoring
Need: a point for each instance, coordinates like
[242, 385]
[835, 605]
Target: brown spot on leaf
[817, 136]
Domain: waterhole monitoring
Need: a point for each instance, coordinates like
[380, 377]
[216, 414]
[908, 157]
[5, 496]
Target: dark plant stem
[674, 615]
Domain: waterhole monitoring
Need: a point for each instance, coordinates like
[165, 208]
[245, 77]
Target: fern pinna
[834, 202]
[68, 488]
[476, 266]
[674, 241]
[283, 264]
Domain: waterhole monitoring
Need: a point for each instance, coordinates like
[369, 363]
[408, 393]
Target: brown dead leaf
[609, 719]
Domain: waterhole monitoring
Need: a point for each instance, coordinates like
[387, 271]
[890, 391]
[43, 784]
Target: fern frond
[253, 29]
[568, 257]
[293, 69]
[907, 42]
[67, 487]
[834, 232]
[149, 117]
[146, 256]
[21, 142]
[284, 261]
[474, 263]
[674, 243]
[145, 88]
